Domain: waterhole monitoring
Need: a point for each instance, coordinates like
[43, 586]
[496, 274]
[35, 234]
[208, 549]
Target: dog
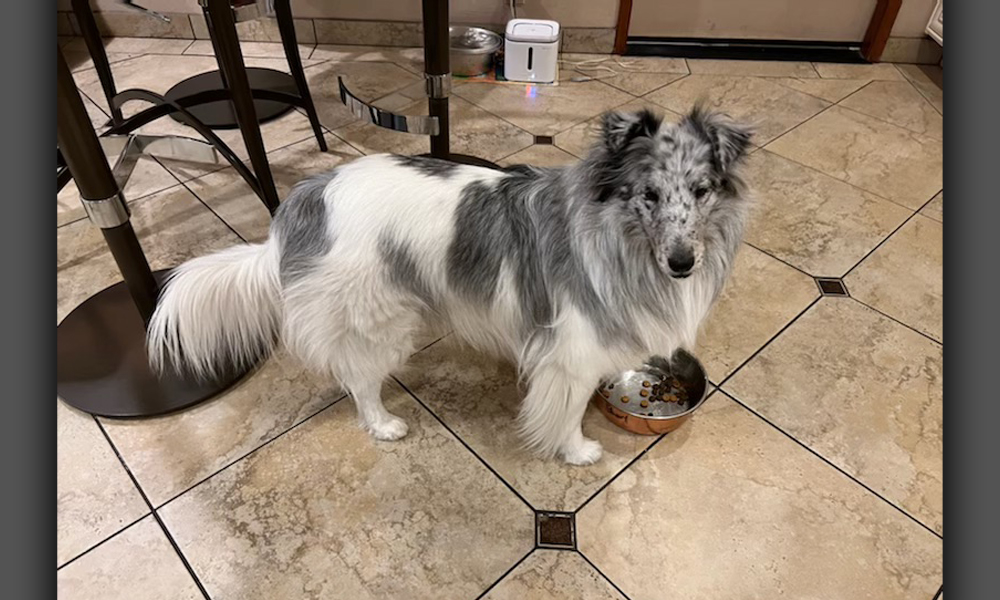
[576, 273]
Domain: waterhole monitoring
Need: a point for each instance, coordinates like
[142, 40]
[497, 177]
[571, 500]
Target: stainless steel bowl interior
[655, 372]
[473, 40]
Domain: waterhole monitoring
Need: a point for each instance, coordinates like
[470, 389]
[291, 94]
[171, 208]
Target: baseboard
[312, 31]
[841, 52]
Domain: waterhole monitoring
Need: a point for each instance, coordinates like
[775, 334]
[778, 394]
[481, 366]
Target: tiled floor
[813, 471]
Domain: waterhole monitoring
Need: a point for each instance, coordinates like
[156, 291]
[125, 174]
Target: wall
[570, 13]
[822, 20]
[912, 18]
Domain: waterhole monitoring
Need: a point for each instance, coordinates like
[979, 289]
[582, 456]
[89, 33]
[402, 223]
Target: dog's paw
[585, 453]
[389, 429]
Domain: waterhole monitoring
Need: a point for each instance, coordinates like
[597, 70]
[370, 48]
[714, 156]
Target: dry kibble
[646, 384]
[644, 403]
[624, 399]
[643, 393]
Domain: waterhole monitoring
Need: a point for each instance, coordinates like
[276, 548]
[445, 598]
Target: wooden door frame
[876, 37]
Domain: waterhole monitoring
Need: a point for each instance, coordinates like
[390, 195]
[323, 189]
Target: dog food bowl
[657, 398]
[472, 50]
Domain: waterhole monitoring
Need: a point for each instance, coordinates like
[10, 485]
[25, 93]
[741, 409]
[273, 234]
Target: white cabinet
[935, 28]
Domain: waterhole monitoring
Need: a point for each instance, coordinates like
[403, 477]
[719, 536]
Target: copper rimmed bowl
[656, 398]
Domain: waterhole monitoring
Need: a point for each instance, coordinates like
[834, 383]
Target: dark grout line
[892, 233]
[620, 471]
[505, 574]
[782, 261]
[201, 200]
[830, 463]
[250, 452]
[815, 170]
[152, 510]
[939, 592]
[892, 318]
[768, 342]
[601, 573]
[102, 542]
[463, 442]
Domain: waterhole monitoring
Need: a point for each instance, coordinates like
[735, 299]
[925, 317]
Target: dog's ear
[618, 129]
[730, 140]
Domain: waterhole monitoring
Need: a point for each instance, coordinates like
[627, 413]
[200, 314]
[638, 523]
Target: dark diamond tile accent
[555, 530]
[830, 286]
[544, 140]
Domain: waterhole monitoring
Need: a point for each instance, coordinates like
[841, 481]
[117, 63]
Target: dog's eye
[652, 197]
[701, 191]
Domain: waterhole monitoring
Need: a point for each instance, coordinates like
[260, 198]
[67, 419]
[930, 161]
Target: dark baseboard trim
[840, 52]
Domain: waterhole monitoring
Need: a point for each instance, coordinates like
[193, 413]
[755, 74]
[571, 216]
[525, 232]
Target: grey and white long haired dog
[576, 273]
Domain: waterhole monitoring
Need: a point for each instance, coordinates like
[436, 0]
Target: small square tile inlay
[830, 286]
[555, 530]
[543, 140]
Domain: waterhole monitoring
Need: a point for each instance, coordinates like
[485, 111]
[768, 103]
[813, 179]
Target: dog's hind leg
[552, 414]
[362, 365]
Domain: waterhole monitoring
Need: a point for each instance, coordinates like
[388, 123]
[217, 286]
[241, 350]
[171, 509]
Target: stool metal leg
[92, 37]
[222, 24]
[101, 363]
[286, 27]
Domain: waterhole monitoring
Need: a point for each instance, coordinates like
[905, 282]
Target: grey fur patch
[301, 224]
[432, 167]
[403, 269]
[645, 191]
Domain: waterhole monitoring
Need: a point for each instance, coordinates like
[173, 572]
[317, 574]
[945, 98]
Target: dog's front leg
[552, 414]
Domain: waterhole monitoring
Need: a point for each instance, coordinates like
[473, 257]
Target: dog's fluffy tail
[217, 311]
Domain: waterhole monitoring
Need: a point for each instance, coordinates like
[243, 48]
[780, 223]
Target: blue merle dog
[576, 273]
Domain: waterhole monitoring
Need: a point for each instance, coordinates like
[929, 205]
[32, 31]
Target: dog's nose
[681, 263]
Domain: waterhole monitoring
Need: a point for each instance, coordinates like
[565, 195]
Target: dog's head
[667, 179]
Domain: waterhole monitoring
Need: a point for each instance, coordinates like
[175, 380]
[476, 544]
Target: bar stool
[224, 97]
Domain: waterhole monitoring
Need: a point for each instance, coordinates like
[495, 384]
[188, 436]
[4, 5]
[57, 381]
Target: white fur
[344, 320]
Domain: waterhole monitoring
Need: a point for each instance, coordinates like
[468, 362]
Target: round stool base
[101, 364]
[220, 115]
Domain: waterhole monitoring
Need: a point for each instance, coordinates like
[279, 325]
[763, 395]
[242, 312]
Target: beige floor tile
[639, 84]
[762, 296]
[577, 140]
[171, 225]
[904, 277]
[633, 64]
[831, 90]
[752, 68]
[812, 221]
[474, 131]
[96, 497]
[876, 72]
[262, 29]
[367, 80]
[411, 59]
[148, 177]
[842, 355]
[935, 208]
[773, 109]
[250, 49]
[80, 60]
[884, 159]
[553, 575]
[929, 81]
[137, 563]
[134, 45]
[231, 198]
[326, 511]
[900, 104]
[540, 155]
[743, 512]
[169, 454]
[478, 398]
[544, 110]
